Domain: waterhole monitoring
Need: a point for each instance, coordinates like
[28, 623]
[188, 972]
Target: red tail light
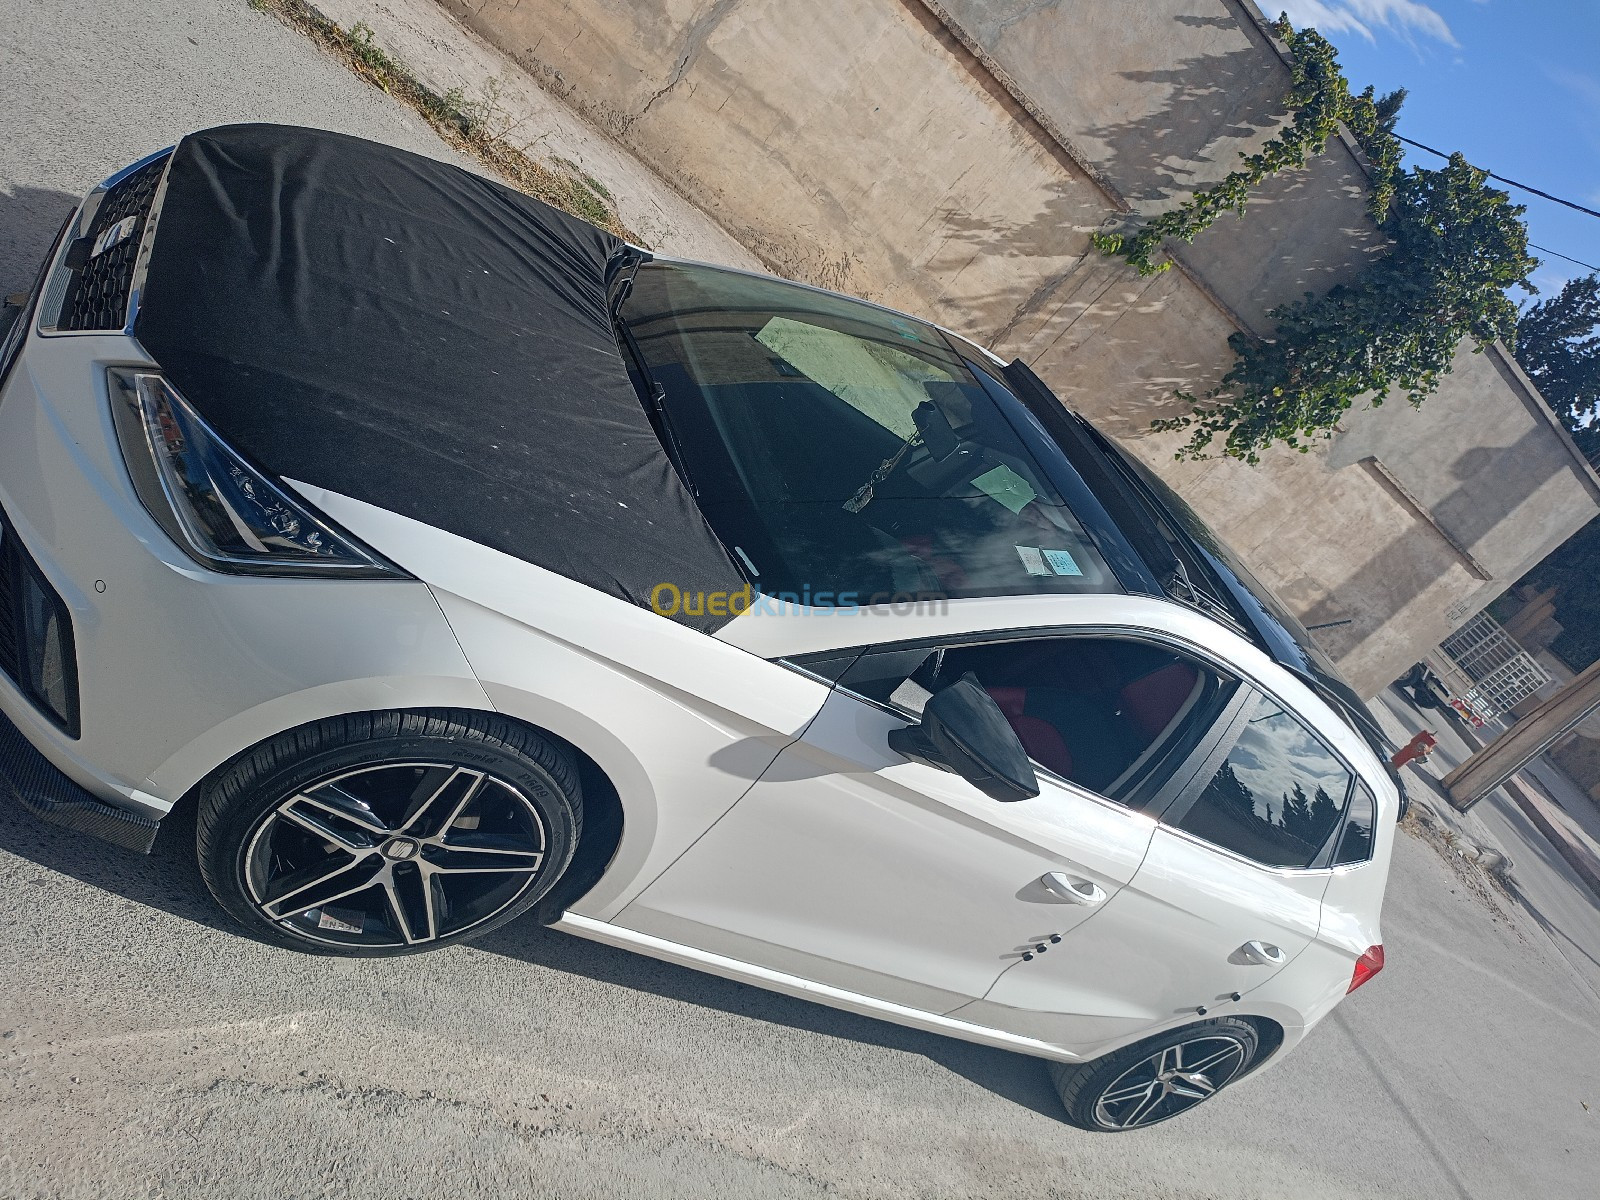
[1368, 965]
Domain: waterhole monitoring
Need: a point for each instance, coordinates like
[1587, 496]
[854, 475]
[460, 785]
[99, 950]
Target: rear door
[1229, 892]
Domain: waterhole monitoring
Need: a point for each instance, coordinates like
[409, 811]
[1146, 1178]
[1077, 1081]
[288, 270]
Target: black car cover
[405, 332]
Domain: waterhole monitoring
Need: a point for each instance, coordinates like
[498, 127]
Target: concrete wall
[951, 157]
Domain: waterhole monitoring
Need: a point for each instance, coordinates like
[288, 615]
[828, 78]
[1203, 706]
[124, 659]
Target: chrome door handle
[1073, 891]
[1263, 954]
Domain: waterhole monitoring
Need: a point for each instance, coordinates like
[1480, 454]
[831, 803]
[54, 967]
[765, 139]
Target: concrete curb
[1580, 854]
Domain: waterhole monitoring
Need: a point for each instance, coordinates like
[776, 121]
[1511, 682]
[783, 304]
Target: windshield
[847, 454]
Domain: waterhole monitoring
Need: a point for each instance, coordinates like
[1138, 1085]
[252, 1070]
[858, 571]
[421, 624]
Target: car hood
[404, 332]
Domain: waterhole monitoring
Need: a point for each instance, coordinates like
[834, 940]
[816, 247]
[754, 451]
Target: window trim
[1151, 804]
[1160, 806]
[1208, 759]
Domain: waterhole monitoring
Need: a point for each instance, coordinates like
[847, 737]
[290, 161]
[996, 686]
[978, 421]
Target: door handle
[1073, 891]
[1263, 954]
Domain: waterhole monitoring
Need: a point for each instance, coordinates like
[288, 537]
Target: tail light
[1368, 965]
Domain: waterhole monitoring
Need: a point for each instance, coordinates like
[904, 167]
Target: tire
[388, 833]
[1156, 1079]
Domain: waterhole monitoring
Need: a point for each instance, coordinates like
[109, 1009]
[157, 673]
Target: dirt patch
[1493, 888]
[478, 125]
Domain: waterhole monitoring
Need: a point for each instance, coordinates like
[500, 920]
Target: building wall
[951, 157]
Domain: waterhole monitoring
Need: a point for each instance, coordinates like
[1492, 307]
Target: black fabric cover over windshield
[404, 332]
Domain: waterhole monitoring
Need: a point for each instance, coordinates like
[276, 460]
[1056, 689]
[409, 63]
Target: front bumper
[38, 786]
[179, 668]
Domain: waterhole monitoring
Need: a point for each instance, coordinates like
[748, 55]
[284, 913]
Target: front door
[848, 865]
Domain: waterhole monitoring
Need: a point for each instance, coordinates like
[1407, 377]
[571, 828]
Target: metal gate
[1501, 673]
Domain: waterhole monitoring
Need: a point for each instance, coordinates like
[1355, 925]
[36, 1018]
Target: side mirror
[963, 730]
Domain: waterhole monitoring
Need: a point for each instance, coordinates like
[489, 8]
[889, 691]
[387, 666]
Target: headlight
[219, 508]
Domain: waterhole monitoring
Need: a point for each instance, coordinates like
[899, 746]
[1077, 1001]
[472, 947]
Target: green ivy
[1317, 100]
[1457, 245]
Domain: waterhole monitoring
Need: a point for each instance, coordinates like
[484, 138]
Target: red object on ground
[1416, 750]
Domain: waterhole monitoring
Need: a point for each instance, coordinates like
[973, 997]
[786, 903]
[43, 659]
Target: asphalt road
[149, 1048]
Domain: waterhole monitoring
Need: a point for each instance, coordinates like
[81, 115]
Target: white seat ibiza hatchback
[457, 559]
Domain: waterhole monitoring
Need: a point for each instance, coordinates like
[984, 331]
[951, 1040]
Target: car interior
[1095, 711]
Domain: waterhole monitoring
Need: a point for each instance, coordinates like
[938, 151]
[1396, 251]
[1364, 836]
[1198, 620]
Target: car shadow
[1023, 1080]
[168, 879]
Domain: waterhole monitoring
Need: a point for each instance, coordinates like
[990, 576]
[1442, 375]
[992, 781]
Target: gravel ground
[149, 1048]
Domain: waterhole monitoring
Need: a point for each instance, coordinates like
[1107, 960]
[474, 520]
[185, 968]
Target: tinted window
[1355, 843]
[844, 450]
[1105, 713]
[1278, 795]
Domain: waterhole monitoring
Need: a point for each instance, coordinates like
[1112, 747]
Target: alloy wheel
[397, 854]
[1169, 1081]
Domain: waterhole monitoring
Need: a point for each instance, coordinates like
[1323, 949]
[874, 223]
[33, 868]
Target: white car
[457, 559]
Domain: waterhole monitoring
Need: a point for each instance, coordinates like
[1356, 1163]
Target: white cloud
[1404, 17]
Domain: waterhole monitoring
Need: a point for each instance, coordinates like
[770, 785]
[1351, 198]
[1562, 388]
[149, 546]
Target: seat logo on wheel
[401, 848]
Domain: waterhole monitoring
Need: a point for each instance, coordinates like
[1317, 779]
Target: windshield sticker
[1061, 562]
[1006, 486]
[1033, 559]
[1048, 562]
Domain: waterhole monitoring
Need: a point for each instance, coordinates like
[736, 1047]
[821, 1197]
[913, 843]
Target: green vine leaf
[1457, 245]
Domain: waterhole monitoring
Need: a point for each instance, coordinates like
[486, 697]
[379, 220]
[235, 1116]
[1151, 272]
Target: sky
[1512, 84]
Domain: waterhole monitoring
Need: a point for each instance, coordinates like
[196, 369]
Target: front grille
[98, 286]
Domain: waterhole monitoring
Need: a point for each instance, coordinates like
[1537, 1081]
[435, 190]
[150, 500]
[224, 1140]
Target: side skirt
[804, 989]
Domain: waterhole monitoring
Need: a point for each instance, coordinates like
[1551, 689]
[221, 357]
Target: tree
[1558, 345]
[1456, 245]
[1324, 813]
[1296, 819]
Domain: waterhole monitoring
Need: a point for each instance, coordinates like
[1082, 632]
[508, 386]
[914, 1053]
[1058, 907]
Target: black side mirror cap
[963, 730]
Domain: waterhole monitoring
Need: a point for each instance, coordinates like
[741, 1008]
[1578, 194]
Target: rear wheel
[1157, 1079]
[389, 833]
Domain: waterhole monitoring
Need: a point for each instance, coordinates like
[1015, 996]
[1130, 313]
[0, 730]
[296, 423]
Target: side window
[1109, 714]
[1278, 795]
[1355, 843]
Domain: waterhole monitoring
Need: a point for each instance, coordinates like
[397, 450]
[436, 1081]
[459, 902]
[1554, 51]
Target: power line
[1525, 187]
[1568, 257]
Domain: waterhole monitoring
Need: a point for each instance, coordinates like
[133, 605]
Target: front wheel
[1156, 1079]
[389, 833]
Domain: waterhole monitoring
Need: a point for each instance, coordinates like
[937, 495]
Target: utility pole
[1524, 741]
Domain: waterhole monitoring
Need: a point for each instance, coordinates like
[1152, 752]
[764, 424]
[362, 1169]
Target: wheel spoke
[1211, 1060]
[319, 825]
[462, 860]
[322, 901]
[1129, 1092]
[1194, 1089]
[296, 883]
[440, 807]
[334, 801]
[1145, 1107]
[419, 883]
